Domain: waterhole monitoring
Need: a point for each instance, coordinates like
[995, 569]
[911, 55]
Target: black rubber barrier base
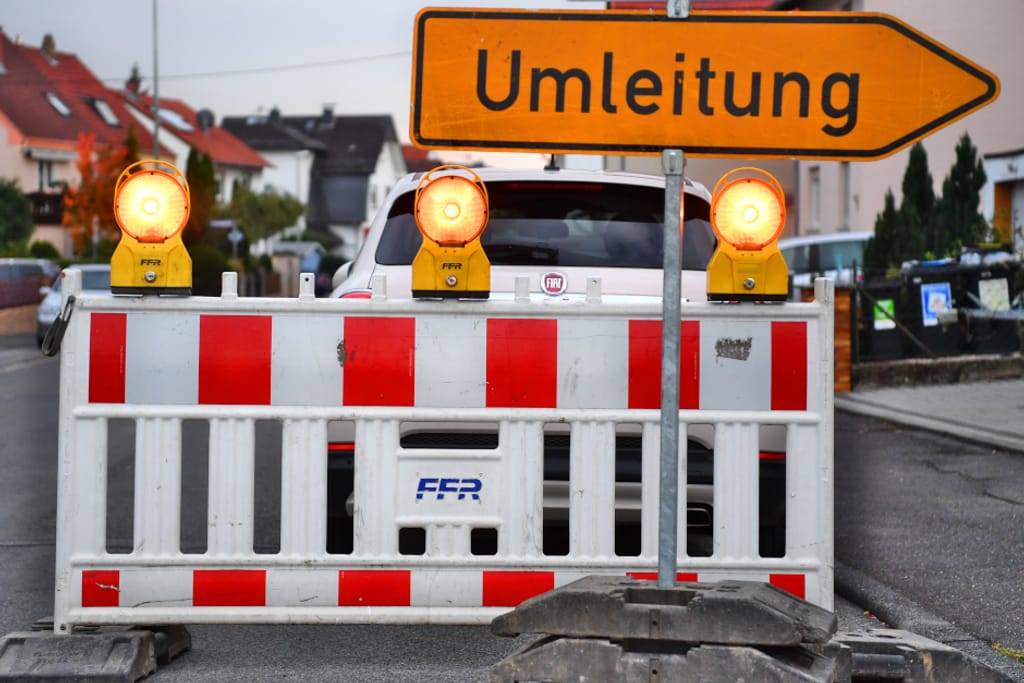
[106, 654]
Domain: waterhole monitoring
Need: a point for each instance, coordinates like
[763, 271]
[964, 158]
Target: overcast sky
[241, 57]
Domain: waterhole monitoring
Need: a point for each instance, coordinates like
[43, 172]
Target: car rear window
[536, 223]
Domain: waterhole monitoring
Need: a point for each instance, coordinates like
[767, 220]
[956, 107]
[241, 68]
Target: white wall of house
[289, 172]
[1006, 171]
[985, 32]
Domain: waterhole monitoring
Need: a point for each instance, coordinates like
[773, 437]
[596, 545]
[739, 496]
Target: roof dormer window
[102, 108]
[177, 120]
[58, 104]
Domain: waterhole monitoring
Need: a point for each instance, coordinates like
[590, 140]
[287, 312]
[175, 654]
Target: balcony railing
[47, 207]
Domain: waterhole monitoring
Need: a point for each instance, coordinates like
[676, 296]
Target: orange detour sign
[830, 85]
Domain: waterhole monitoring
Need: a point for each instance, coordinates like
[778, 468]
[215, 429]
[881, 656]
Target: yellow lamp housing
[748, 213]
[451, 213]
[151, 206]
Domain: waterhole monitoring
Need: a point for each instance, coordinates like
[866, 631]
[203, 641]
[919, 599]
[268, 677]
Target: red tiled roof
[30, 77]
[418, 160]
[221, 146]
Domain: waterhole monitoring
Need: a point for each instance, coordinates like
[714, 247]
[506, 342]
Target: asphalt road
[933, 520]
[938, 522]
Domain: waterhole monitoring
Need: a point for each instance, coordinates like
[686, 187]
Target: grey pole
[673, 162]
[156, 91]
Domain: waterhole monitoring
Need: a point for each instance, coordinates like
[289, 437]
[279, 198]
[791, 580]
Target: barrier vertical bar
[592, 489]
[522, 458]
[157, 529]
[373, 527]
[736, 491]
[231, 508]
[304, 487]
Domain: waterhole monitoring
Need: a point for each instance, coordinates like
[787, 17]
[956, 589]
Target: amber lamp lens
[748, 213]
[451, 210]
[151, 206]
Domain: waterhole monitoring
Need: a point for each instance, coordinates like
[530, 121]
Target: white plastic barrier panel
[587, 371]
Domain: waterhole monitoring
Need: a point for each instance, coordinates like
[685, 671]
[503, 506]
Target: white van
[828, 255]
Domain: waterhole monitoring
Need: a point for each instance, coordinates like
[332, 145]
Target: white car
[95, 280]
[830, 255]
[577, 224]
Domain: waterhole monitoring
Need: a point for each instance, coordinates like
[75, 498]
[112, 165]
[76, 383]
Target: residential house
[843, 195]
[834, 196]
[182, 128]
[48, 100]
[349, 178]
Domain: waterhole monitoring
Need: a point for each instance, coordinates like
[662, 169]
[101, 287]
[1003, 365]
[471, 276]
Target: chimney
[134, 81]
[275, 115]
[327, 117]
[49, 48]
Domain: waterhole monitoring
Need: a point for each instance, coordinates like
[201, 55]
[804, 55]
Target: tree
[92, 202]
[261, 215]
[202, 187]
[957, 221]
[918, 200]
[879, 251]
[15, 215]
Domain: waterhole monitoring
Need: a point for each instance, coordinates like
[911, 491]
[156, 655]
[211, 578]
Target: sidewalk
[988, 412]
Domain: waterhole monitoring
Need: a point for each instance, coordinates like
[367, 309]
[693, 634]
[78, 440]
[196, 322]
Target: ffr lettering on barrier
[439, 486]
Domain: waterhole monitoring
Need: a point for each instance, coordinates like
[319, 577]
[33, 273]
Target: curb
[944, 425]
[901, 612]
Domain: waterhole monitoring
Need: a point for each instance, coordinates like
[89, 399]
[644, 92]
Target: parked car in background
[95, 280]
[831, 255]
[21, 278]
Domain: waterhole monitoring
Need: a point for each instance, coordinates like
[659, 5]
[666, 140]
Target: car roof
[494, 174]
[825, 238]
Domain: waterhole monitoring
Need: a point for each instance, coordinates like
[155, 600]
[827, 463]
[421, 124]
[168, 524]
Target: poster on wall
[935, 297]
[994, 294]
[885, 314]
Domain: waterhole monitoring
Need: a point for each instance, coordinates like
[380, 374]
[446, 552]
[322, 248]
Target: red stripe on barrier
[234, 359]
[789, 365]
[791, 583]
[379, 361]
[229, 588]
[106, 357]
[681, 577]
[508, 589]
[374, 587]
[522, 363]
[101, 587]
[645, 364]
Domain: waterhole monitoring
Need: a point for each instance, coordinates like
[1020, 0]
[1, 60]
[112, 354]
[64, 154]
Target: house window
[58, 104]
[102, 108]
[815, 172]
[176, 120]
[45, 175]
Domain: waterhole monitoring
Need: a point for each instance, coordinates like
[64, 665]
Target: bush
[207, 265]
[44, 249]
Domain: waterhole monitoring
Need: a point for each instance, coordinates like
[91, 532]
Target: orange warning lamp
[451, 213]
[151, 206]
[748, 213]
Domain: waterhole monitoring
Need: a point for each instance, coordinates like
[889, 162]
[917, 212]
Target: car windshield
[816, 258]
[610, 225]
